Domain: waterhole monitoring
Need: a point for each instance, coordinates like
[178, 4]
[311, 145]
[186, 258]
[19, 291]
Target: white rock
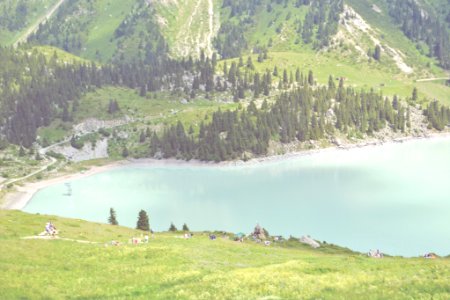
[308, 240]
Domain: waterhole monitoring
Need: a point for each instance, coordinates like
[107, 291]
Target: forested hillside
[300, 70]
[283, 22]
[104, 31]
[17, 16]
[301, 115]
[429, 30]
[306, 111]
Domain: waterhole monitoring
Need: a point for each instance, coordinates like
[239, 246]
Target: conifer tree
[21, 152]
[112, 217]
[225, 69]
[377, 53]
[172, 227]
[185, 227]
[250, 63]
[142, 137]
[414, 94]
[285, 77]
[408, 117]
[143, 221]
[331, 85]
[310, 78]
[275, 71]
[143, 90]
[125, 152]
[241, 62]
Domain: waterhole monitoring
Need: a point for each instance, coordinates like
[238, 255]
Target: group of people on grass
[51, 230]
[375, 254]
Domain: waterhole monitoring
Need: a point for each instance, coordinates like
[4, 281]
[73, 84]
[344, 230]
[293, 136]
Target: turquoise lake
[394, 197]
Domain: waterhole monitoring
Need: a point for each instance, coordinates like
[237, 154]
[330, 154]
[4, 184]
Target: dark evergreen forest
[35, 90]
[320, 23]
[303, 114]
[423, 27]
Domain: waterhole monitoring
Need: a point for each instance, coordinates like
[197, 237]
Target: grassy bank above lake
[170, 267]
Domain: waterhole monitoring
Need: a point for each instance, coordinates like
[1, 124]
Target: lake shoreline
[17, 200]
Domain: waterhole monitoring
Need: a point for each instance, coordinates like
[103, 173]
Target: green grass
[393, 36]
[435, 90]
[54, 133]
[12, 165]
[62, 56]
[154, 108]
[173, 268]
[267, 23]
[153, 111]
[361, 76]
[109, 15]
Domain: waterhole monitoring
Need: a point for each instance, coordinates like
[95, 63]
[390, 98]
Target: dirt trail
[42, 169]
[52, 238]
[209, 37]
[432, 79]
[193, 36]
[35, 26]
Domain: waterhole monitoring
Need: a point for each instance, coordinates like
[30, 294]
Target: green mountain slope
[170, 267]
[103, 30]
[345, 30]
[189, 26]
[16, 17]
[346, 48]
[144, 47]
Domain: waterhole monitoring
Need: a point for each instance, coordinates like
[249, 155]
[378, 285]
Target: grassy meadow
[63, 57]
[161, 105]
[13, 165]
[360, 76]
[153, 111]
[109, 15]
[170, 267]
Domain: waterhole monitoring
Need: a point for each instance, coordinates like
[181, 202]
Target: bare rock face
[258, 232]
[88, 152]
[93, 125]
[158, 155]
[309, 241]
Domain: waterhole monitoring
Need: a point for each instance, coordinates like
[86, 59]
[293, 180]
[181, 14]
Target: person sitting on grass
[50, 229]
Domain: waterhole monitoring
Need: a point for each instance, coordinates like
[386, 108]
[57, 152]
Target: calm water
[395, 198]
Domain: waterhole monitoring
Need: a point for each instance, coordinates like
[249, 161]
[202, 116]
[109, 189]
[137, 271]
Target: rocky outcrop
[309, 241]
[88, 152]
